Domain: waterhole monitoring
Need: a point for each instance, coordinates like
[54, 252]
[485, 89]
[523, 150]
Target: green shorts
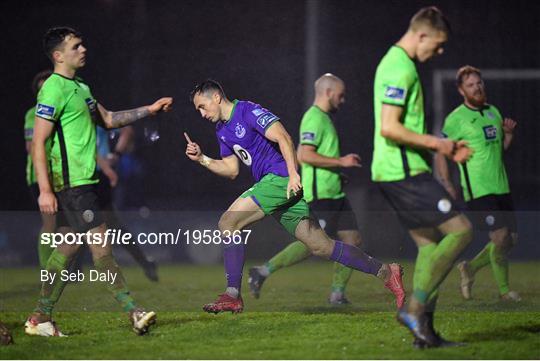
[270, 193]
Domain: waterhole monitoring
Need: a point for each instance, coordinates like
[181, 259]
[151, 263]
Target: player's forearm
[317, 160]
[39, 159]
[286, 147]
[401, 135]
[218, 167]
[126, 117]
[441, 170]
[507, 140]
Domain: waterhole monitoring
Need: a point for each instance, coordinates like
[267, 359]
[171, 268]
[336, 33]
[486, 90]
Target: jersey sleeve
[395, 85]
[29, 124]
[50, 102]
[259, 118]
[450, 128]
[311, 131]
[224, 149]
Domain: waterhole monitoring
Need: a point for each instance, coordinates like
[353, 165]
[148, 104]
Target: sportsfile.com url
[120, 237]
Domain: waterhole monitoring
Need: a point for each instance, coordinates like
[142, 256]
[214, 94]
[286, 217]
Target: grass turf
[291, 320]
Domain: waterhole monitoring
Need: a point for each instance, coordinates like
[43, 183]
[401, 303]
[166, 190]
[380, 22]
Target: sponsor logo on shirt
[266, 119]
[239, 130]
[308, 136]
[490, 132]
[395, 93]
[243, 154]
[91, 104]
[44, 111]
[258, 111]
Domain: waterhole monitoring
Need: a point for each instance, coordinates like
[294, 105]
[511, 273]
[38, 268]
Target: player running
[253, 134]
[483, 179]
[67, 113]
[400, 168]
[321, 161]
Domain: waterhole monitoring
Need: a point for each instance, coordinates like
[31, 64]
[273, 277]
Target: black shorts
[78, 208]
[492, 212]
[334, 215]
[420, 201]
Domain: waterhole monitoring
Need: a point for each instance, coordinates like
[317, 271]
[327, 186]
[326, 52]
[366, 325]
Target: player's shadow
[503, 334]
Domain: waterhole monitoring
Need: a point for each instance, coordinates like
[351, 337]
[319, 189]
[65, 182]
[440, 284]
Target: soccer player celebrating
[67, 113]
[321, 160]
[48, 222]
[483, 179]
[401, 170]
[252, 133]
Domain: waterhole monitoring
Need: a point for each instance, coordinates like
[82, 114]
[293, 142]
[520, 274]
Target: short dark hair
[432, 17]
[55, 36]
[41, 76]
[464, 72]
[206, 86]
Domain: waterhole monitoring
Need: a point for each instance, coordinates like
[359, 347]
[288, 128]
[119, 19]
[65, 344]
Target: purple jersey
[243, 135]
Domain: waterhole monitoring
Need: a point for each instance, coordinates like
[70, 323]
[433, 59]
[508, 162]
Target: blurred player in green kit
[483, 179]
[401, 169]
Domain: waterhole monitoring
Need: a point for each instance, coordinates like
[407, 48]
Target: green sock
[118, 288]
[292, 254]
[482, 258]
[499, 266]
[51, 291]
[44, 252]
[342, 274]
[422, 263]
[439, 263]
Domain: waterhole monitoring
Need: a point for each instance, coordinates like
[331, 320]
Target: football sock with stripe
[437, 263]
[118, 288]
[233, 259]
[51, 291]
[354, 257]
[482, 259]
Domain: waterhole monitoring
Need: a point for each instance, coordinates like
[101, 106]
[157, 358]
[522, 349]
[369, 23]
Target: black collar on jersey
[479, 110]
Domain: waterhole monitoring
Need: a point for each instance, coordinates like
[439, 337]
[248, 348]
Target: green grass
[291, 320]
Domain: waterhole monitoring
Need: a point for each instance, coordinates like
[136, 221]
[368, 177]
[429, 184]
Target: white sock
[263, 271]
[232, 291]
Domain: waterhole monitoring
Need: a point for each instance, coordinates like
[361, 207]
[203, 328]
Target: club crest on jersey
[490, 132]
[266, 119]
[258, 111]
[44, 111]
[490, 115]
[308, 136]
[91, 104]
[395, 93]
[239, 130]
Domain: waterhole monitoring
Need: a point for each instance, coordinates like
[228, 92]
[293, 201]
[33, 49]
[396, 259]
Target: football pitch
[291, 320]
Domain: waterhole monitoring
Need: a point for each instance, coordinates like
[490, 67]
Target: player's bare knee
[227, 222]
[501, 238]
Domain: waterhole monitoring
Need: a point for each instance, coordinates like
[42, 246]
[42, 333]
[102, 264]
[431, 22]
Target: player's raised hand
[47, 203]
[350, 160]
[294, 185]
[462, 152]
[193, 151]
[509, 125]
[162, 104]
